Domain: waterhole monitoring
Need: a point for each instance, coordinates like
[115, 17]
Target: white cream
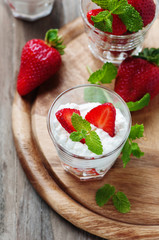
[109, 143]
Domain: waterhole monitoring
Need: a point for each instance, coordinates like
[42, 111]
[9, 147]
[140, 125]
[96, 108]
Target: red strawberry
[118, 26]
[39, 61]
[135, 78]
[103, 116]
[146, 8]
[64, 117]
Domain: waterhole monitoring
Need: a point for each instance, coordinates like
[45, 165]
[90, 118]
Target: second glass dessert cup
[108, 47]
[87, 168]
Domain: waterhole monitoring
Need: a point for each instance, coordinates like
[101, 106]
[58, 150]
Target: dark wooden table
[23, 214]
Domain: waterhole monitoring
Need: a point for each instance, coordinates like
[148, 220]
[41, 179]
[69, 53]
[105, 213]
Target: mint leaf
[121, 202]
[79, 123]
[106, 74]
[126, 12]
[118, 7]
[131, 147]
[138, 105]
[103, 21]
[104, 194]
[83, 129]
[126, 152]
[84, 133]
[110, 72]
[151, 55]
[76, 136]
[131, 18]
[135, 150]
[106, 4]
[119, 199]
[136, 131]
[97, 76]
[94, 144]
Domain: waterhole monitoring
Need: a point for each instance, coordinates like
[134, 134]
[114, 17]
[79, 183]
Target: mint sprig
[83, 129]
[138, 105]
[126, 12]
[106, 74]
[131, 147]
[120, 201]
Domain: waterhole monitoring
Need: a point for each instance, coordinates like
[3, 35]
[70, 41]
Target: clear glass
[30, 9]
[108, 47]
[86, 168]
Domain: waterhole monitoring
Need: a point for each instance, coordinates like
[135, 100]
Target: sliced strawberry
[64, 117]
[103, 116]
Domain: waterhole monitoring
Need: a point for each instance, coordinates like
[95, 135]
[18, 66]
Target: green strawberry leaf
[93, 142]
[151, 55]
[103, 194]
[106, 74]
[79, 123]
[121, 202]
[136, 131]
[76, 136]
[138, 105]
[53, 40]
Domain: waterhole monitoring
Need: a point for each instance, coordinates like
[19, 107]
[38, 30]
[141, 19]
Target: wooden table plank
[23, 214]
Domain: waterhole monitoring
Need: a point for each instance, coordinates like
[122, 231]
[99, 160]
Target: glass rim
[136, 34]
[82, 157]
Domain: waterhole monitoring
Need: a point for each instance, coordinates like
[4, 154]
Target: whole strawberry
[39, 61]
[138, 75]
[146, 9]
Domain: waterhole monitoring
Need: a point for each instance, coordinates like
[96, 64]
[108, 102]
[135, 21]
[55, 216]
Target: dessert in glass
[111, 47]
[30, 10]
[75, 157]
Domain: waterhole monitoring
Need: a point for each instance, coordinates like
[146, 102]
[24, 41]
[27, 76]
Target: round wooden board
[72, 199]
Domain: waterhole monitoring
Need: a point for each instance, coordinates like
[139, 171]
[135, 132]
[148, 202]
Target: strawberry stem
[53, 40]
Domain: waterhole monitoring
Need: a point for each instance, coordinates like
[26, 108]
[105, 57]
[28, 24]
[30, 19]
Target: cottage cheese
[77, 148]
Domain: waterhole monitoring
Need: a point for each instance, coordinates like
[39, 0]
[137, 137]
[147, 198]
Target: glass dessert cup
[30, 10]
[108, 47]
[88, 168]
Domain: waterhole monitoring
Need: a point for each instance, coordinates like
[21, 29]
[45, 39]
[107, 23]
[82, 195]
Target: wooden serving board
[72, 199]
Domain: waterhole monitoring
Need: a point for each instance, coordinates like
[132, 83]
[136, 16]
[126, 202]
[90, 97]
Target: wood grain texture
[139, 182]
[23, 214]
